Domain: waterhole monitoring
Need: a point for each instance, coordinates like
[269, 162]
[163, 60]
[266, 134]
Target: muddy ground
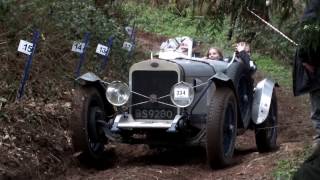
[139, 162]
[35, 141]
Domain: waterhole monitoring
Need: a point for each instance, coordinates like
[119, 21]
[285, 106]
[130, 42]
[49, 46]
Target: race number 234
[181, 93]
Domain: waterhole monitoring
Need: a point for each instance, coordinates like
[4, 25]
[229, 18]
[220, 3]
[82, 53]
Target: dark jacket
[309, 170]
[308, 51]
[311, 12]
[244, 56]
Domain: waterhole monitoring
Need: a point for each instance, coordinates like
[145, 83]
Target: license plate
[164, 114]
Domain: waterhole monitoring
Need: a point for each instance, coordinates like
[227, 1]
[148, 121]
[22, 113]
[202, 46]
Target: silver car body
[196, 71]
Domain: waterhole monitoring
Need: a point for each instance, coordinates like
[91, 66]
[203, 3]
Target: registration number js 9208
[153, 114]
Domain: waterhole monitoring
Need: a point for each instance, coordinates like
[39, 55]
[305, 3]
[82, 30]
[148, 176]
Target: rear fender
[262, 100]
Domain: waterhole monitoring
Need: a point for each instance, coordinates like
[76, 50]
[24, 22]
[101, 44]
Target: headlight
[182, 94]
[118, 93]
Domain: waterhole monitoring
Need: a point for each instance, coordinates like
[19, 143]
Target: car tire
[87, 137]
[221, 128]
[244, 88]
[266, 133]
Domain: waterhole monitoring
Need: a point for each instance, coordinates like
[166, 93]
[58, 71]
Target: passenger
[176, 48]
[214, 54]
[185, 44]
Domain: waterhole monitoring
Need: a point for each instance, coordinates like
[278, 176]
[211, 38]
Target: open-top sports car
[175, 100]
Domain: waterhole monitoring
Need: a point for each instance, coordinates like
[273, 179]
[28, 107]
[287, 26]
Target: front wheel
[266, 133]
[87, 134]
[244, 89]
[221, 128]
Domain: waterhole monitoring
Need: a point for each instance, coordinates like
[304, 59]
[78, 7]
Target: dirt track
[139, 162]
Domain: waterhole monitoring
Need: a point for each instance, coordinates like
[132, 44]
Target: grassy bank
[276, 70]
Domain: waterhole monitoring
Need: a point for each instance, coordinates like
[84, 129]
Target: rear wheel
[266, 133]
[221, 128]
[87, 134]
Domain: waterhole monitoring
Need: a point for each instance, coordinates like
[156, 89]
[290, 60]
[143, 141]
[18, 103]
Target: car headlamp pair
[118, 94]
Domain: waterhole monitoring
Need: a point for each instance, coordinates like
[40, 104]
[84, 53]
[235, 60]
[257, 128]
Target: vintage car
[175, 100]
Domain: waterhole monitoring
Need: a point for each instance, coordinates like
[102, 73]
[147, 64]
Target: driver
[243, 53]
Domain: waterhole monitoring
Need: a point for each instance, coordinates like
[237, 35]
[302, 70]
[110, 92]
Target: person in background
[306, 79]
[214, 54]
[306, 75]
[185, 44]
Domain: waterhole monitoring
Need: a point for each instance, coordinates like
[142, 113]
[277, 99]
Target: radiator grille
[156, 84]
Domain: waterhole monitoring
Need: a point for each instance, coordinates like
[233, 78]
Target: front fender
[262, 100]
[86, 78]
[90, 79]
[220, 79]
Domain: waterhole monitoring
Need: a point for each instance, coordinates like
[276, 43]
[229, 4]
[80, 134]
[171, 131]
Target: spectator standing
[306, 74]
[306, 79]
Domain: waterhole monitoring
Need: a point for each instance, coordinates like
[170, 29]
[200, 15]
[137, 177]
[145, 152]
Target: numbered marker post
[29, 49]
[105, 51]
[80, 47]
[132, 39]
[127, 46]
[25, 47]
[129, 30]
[102, 50]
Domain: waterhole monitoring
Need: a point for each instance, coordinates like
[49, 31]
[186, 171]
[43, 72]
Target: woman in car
[214, 54]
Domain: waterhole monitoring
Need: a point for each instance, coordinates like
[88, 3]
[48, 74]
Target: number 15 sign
[25, 47]
[29, 49]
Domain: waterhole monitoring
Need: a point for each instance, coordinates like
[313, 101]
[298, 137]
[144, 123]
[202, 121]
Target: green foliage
[167, 21]
[73, 18]
[309, 35]
[211, 21]
[78, 17]
[286, 168]
[278, 71]
[4, 9]
[62, 22]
